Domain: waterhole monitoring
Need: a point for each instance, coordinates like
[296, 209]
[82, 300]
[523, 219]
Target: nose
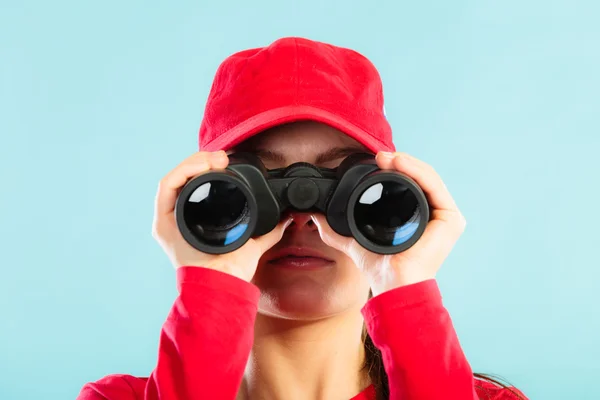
[301, 221]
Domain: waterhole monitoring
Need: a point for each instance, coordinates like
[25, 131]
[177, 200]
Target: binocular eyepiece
[218, 211]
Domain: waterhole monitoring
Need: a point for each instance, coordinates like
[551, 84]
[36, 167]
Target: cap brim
[283, 115]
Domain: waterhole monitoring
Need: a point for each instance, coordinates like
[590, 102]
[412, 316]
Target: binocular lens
[387, 213]
[217, 213]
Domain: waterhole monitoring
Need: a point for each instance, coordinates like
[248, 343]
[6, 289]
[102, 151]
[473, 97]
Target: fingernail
[218, 155]
[288, 222]
[387, 154]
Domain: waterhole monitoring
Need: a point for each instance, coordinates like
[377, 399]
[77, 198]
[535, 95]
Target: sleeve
[421, 352]
[204, 343]
[491, 391]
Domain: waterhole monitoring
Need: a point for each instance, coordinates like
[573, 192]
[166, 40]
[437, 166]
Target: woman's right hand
[242, 262]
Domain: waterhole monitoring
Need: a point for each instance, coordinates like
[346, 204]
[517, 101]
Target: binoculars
[218, 211]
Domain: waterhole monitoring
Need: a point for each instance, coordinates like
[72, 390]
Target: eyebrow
[330, 155]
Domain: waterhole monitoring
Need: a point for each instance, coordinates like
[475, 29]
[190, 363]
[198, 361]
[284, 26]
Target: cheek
[311, 294]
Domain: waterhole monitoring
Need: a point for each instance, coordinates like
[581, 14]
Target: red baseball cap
[295, 79]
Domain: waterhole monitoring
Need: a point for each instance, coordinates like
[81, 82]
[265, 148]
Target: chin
[309, 299]
[310, 292]
[299, 302]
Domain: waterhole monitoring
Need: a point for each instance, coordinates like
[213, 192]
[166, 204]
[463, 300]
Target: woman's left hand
[421, 261]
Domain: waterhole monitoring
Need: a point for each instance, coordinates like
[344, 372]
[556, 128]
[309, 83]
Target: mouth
[300, 258]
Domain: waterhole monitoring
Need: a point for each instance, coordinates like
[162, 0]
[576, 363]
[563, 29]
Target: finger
[385, 159]
[329, 236]
[266, 241]
[440, 236]
[196, 164]
[424, 175]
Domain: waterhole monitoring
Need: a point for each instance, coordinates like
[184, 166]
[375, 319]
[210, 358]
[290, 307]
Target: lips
[300, 258]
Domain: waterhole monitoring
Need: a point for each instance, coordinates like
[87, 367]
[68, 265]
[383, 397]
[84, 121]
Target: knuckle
[461, 222]
[155, 233]
[203, 160]
[157, 228]
[403, 156]
[163, 183]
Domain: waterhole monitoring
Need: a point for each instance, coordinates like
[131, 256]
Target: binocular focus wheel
[303, 194]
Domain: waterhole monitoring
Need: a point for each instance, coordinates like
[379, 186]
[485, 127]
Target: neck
[301, 360]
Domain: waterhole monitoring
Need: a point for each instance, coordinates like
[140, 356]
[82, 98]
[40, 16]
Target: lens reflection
[217, 213]
[387, 213]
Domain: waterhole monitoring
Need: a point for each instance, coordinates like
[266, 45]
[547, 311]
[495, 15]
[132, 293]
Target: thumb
[265, 242]
[347, 245]
[329, 236]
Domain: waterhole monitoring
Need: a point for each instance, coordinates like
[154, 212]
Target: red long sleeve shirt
[207, 337]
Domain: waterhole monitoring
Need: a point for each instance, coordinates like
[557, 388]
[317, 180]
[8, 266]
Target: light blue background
[99, 100]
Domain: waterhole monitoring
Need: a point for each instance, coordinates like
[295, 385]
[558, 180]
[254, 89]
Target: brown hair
[376, 371]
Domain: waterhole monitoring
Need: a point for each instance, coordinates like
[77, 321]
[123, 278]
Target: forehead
[301, 131]
[306, 141]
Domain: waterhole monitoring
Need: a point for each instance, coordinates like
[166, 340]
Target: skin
[308, 330]
[307, 340]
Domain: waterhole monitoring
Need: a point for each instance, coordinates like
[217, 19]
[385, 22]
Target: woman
[301, 312]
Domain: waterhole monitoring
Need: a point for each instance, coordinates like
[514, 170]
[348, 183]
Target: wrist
[390, 280]
[209, 284]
